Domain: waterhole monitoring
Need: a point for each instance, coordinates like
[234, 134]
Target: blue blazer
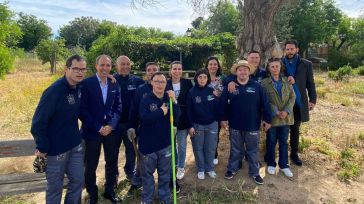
[94, 113]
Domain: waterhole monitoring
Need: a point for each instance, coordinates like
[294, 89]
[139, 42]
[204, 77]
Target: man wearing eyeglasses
[100, 114]
[57, 136]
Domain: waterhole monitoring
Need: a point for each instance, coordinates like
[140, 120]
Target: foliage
[52, 51]
[282, 26]
[359, 70]
[341, 73]
[337, 59]
[34, 30]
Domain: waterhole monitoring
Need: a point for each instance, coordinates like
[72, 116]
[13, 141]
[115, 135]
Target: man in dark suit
[300, 75]
[100, 113]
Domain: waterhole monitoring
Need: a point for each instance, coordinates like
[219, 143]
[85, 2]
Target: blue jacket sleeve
[189, 104]
[147, 116]
[133, 112]
[223, 104]
[116, 109]
[228, 79]
[85, 115]
[41, 118]
[267, 113]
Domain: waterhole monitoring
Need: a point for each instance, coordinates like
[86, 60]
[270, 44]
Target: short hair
[151, 63]
[69, 61]
[158, 74]
[101, 56]
[218, 73]
[253, 51]
[202, 71]
[274, 59]
[173, 63]
[122, 56]
[293, 42]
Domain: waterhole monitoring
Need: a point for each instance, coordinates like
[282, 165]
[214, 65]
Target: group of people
[124, 109]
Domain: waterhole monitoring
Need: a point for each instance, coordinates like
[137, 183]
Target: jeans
[71, 164]
[181, 147]
[241, 141]
[279, 134]
[160, 161]
[295, 131]
[204, 144]
[129, 167]
[92, 155]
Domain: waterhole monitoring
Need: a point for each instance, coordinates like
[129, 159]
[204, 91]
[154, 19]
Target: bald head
[123, 65]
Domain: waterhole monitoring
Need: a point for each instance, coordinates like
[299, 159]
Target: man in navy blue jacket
[243, 110]
[155, 146]
[100, 114]
[128, 84]
[57, 136]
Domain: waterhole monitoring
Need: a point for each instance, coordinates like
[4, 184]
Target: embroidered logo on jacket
[198, 99]
[153, 107]
[210, 97]
[131, 87]
[250, 90]
[71, 99]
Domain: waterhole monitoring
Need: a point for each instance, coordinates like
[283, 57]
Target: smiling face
[242, 73]
[159, 83]
[213, 66]
[150, 70]
[123, 65]
[103, 66]
[176, 71]
[254, 59]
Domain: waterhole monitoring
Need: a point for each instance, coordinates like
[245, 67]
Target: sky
[169, 15]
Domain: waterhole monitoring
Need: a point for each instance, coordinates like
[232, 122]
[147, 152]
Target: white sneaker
[201, 175]
[287, 172]
[180, 173]
[216, 161]
[271, 170]
[212, 174]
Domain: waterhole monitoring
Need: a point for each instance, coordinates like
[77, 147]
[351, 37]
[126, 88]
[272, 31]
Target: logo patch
[153, 107]
[131, 87]
[210, 98]
[236, 92]
[250, 90]
[71, 99]
[198, 99]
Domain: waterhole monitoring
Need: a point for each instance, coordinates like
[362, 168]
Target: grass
[361, 136]
[324, 147]
[350, 164]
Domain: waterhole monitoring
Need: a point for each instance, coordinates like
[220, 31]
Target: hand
[266, 126]
[172, 95]
[131, 134]
[232, 87]
[311, 106]
[106, 130]
[192, 132]
[164, 109]
[40, 154]
[113, 80]
[291, 80]
[224, 124]
[282, 114]
[174, 130]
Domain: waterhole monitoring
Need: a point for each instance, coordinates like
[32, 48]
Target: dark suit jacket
[94, 113]
[186, 85]
[306, 85]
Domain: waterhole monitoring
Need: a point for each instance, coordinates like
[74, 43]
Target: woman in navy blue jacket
[203, 125]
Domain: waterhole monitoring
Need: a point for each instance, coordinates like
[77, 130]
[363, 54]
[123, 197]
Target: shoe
[287, 172]
[296, 160]
[216, 161]
[212, 174]
[112, 197]
[180, 173]
[132, 190]
[201, 175]
[271, 170]
[229, 174]
[240, 165]
[258, 180]
[92, 201]
[178, 188]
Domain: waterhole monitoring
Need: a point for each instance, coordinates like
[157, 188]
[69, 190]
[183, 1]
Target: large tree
[34, 30]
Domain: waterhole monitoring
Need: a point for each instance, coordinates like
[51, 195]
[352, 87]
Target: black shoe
[258, 180]
[229, 175]
[296, 160]
[92, 200]
[178, 188]
[112, 197]
[132, 190]
[240, 165]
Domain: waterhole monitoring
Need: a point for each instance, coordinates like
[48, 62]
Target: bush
[6, 60]
[337, 59]
[340, 74]
[359, 70]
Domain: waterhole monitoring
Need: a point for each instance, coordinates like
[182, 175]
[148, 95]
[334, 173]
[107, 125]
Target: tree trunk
[258, 32]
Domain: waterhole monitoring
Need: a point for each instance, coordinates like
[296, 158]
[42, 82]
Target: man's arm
[85, 115]
[310, 84]
[115, 109]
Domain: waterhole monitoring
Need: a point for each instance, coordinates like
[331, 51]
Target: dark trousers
[295, 131]
[92, 155]
[129, 167]
[218, 140]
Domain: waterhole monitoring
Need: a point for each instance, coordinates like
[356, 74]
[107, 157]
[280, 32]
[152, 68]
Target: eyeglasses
[78, 70]
[159, 82]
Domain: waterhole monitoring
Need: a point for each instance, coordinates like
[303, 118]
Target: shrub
[340, 74]
[359, 70]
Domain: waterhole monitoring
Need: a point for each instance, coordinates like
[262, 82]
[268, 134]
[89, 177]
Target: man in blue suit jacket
[100, 114]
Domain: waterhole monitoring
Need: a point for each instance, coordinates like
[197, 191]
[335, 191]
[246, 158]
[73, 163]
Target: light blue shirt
[104, 88]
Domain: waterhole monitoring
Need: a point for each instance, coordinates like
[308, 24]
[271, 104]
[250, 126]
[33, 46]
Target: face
[212, 66]
[202, 80]
[76, 72]
[159, 83]
[274, 68]
[123, 66]
[242, 73]
[254, 59]
[150, 70]
[176, 71]
[103, 67]
[291, 50]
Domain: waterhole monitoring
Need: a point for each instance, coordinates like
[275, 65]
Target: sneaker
[212, 174]
[201, 175]
[229, 174]
[287, 172]
[180, 173]
[296, 160]
[132, 190]
[271, 170]
[216, 161]
[258, 180]
[178, 188]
